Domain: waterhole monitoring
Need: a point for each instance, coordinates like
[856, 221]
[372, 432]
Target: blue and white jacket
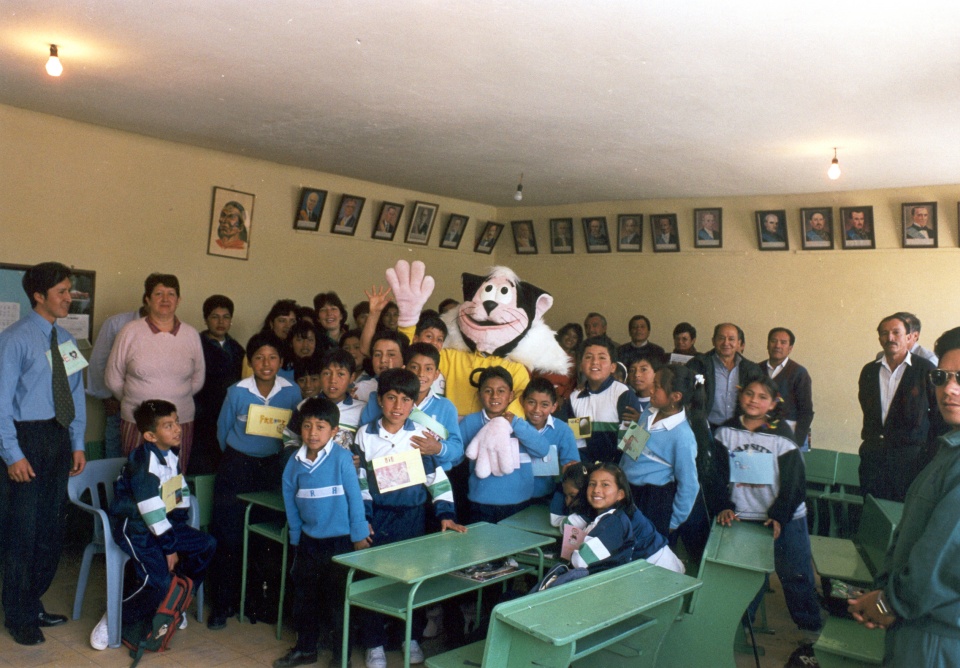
[232, 424]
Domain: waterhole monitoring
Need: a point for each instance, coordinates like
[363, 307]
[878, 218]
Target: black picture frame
[708, 227]
[630, 233]
[666, 239]
[561, 236]
[388, 222]
[488, 238]
[772, 230]
[816, 228]
[595, 234]
[421, 223]
[453, 232]
[524, 237]
[856, 225]
[348, 215]
[310, 210]
[917, 230]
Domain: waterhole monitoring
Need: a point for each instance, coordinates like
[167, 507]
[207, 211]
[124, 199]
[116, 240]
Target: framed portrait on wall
[231, 222]
[629, 233]
[421, 223]
[310, 209]
[663, 231]
[816, 228]
[772, 230]
[348, 215]
[488, 239]
[856, 224]
[596, 235]
[388, 221]
[456, 226]
[561, 235]
[708, 228]
[524, 240]
[919, 221]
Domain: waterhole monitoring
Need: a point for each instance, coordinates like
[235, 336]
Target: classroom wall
[125, 205]
[832, 300]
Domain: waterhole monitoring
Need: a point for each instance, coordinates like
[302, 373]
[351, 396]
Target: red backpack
[154, 635]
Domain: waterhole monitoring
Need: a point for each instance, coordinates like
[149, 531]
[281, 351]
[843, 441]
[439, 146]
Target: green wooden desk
[415, 573]
[732, 571]
[892, 510]
[535, 519]
[856, 561]
[275, 530]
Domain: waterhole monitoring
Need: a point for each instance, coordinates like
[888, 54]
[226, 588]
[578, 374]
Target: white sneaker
[100, 636]
[376, 657]
[183, 622]
[416, 654]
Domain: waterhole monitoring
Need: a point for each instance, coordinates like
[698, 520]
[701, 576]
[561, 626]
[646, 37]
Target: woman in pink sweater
[157, 357]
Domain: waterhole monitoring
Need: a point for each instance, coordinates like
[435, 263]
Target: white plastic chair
[96, 481]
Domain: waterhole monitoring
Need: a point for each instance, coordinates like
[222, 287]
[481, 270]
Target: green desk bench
[856, 561]
[732, 572]
[612, 619]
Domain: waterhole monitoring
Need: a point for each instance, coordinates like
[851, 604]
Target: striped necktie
[62, 398]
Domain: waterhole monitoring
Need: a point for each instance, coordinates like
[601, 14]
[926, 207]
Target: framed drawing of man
[816, 228]
[421, 223]
[524, 240]
[456, 226]
[857, 227]
[629, 233]
[348, 215]
[231, 221]
[561, 235]
[310, 209]
[772, 230]
[708, 228]
[663, 228]
[388, 221]
[596, 235]
[487, 240]
[919, 224]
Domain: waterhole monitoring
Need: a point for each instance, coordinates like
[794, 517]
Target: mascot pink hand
[411, 288]
[492, 445]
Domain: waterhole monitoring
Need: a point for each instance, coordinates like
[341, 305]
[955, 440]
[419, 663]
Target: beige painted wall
[126, 205]
[831, 300]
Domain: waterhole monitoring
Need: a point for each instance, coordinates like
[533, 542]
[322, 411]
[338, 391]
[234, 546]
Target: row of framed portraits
[853, 230]
[231, 223]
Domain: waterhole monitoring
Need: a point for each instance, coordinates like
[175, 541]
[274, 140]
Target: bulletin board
[14, 303]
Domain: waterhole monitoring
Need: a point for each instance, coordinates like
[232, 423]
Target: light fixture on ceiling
[519, 194]
[54, 68]
[834, 170]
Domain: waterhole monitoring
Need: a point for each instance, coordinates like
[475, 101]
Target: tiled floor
[246, 645]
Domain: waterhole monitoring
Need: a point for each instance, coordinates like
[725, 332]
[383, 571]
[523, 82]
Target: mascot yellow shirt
[457, 365]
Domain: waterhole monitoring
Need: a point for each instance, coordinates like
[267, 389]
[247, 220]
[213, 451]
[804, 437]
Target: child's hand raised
[378, 298]
[450, 524]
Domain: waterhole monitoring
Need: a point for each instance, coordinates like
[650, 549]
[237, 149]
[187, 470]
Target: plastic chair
[96, 483]
[821, 474]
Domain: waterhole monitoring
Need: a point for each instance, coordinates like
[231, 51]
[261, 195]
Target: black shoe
[27, 635]
[48, 619]
[295, 658]
[217, 621]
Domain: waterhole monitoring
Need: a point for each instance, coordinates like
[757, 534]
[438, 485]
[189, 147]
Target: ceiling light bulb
[54, 68]
[519, 194]
[834, 171]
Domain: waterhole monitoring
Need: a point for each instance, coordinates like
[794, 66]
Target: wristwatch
[882, 605]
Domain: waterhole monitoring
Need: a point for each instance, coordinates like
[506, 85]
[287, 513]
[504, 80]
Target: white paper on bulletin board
[9, 314]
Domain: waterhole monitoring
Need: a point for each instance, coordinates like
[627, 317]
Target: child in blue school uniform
[539, 404]
[397, 514]
[493, 498]
[326, 517]
[640, 383]
[250, 463]
[779, 502]
[148, 518]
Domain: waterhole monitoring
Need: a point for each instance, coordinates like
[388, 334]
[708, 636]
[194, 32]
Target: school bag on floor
[154, 634]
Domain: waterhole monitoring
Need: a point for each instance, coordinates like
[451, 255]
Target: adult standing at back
[793, 383]
[42, 421]
[639, 344]
[900, 416]
[157, 357]
[724, 369]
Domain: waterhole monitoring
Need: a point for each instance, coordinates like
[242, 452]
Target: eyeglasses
[939, 377]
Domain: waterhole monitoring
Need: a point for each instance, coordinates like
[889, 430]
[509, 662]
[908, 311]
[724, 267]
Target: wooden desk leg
[345, 652]
[243, 572]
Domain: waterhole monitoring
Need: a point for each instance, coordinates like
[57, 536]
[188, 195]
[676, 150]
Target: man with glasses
[900, 416]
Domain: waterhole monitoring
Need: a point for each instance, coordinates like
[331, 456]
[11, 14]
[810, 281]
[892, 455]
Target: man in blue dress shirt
[42, 422]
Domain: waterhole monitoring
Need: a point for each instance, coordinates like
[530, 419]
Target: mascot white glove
[411, 289]
[495, 450]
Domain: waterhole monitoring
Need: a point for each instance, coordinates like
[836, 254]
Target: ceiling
[602, 100]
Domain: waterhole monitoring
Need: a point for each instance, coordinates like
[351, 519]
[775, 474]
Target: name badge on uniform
[73, 361]
[751, 467]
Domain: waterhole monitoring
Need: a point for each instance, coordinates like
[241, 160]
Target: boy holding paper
[395, 480]
[148, 517]
[249, 429]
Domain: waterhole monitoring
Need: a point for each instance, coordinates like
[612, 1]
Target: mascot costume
[499, 323]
